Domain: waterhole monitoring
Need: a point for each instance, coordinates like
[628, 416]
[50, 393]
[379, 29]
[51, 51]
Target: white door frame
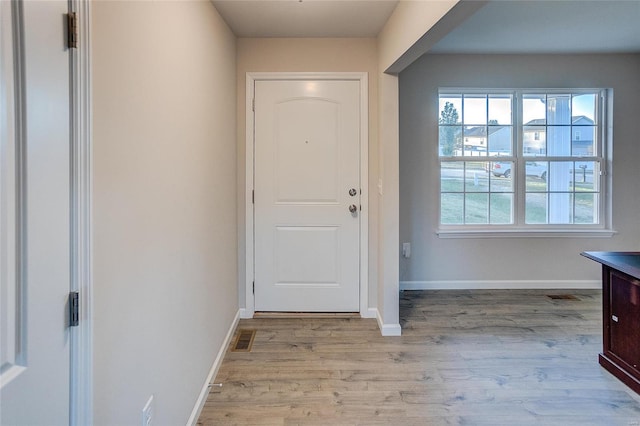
[362, 78]
[81, 383]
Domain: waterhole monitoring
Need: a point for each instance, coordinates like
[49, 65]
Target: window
[540, 168]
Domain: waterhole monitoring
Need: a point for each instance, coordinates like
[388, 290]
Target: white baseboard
[202, 398]
[369, 313]
[386, 329]
[501, 285]
[246, 313]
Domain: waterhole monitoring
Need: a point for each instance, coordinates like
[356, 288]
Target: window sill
[525, 233]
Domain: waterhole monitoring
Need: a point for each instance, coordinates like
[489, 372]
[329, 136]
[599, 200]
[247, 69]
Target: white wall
[164, 204]
[407, 25]
[388, 210]
[410, 20]
[444, 262]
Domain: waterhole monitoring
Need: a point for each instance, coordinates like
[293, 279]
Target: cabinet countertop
[624, 261]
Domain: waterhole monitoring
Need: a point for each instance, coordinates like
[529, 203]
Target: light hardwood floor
[503, 357]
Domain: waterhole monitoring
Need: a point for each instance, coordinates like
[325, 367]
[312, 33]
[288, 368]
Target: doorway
[307, 174]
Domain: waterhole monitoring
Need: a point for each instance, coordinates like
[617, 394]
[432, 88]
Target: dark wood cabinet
[621, 314]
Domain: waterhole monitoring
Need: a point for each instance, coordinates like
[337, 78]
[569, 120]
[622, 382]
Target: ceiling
[306, 18]
[547, 27]
[501, 26]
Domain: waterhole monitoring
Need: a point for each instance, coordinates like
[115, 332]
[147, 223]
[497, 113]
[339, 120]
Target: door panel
[321, 268]
[314, 137]
[307, 158]
[39, 393]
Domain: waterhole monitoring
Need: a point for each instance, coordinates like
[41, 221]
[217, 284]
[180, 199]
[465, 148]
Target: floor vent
[244, 341]
[562, 297]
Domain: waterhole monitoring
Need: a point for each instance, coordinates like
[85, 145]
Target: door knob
[353, 208]
[353, 192]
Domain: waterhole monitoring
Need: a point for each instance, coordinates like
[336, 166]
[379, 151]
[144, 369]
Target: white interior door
[307, 196]
[35, 272]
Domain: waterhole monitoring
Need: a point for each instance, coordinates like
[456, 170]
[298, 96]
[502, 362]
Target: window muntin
[470, 195]
[550, 121]
[475, 125]
[550, 146]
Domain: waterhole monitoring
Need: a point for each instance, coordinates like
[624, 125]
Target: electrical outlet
[406, 250]
[147, 412]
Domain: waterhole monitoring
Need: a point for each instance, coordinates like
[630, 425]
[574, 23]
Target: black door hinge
[254, 287]
[74, 309]
[72, 30]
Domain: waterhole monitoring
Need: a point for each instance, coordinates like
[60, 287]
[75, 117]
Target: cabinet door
[625, 318]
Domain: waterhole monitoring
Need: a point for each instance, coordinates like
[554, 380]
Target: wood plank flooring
[503, 357]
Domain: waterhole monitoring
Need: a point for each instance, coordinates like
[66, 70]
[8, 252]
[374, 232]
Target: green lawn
[489, 199]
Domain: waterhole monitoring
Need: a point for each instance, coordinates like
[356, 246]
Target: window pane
[585, 106]
[502, 169]
[583, 141]
[450, 109]
[586, 208]
[537, 169]
[534, 109]
[501, 208]
[560, 207]
[499, 184]
[451, 209]
[534, 140]
[475, 141]
[476, 209]
[558, 109]
[474, 109]
[536, 208]
[559, 141]
[451, 176]
[560, 176]
[499, 109]
[500, 142]
[450, 141]
[536, 176]
[585, 175]
[476, 179]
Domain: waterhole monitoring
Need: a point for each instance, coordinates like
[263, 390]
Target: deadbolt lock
[353, 192]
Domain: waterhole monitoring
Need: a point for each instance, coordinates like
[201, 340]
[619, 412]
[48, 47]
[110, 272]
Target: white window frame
[519, 228]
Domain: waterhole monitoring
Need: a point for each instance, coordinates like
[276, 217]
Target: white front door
[35, 268]
[307, 196]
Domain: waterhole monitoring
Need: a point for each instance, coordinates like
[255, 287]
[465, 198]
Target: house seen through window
[521, 159]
